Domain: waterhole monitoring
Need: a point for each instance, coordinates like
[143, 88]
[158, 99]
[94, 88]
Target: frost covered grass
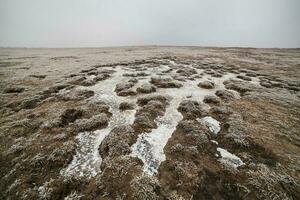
[149, 146]
[45, 190]
[87, 160]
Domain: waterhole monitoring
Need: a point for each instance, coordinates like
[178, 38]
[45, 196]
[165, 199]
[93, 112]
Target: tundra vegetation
[150, 123]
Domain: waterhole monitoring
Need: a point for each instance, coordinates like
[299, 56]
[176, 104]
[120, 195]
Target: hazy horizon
[113, 23]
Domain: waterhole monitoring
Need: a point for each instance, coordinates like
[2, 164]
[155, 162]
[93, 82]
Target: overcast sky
[95, 23]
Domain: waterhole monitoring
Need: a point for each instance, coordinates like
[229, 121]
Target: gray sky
[93, 23]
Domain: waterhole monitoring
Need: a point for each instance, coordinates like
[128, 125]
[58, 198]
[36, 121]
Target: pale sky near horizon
[96, 23]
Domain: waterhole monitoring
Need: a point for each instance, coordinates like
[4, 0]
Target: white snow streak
[149, 146]
[229, 159]
[87, 160]
[211, 123]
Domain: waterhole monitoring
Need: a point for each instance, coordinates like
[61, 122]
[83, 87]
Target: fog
[96, 23]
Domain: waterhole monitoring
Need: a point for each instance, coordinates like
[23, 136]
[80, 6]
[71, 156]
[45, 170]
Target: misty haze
[149, 100]
[96, 23]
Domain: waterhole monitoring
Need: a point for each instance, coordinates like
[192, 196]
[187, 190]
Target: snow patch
[211, 123]
[87, 160]
[215, 142]
[229, 159]
[150, 146]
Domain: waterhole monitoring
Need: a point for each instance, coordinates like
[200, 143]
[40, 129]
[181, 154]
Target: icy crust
[229, 159]
[149, 146]
[83, 162]
[87, 160]
[211, 123]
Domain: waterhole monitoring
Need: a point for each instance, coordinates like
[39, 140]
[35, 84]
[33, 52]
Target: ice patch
[87, 160]
[150, 146]
[229, 159]
[211, 123]
[215, 142]
[83, 160]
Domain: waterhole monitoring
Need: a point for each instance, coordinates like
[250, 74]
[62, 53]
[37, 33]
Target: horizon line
[134, 46]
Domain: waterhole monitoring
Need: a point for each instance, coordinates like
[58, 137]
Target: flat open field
[150, 123]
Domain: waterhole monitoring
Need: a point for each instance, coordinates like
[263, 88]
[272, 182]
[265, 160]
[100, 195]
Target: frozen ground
[149, 146]
[150, 123]
[87, 160]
